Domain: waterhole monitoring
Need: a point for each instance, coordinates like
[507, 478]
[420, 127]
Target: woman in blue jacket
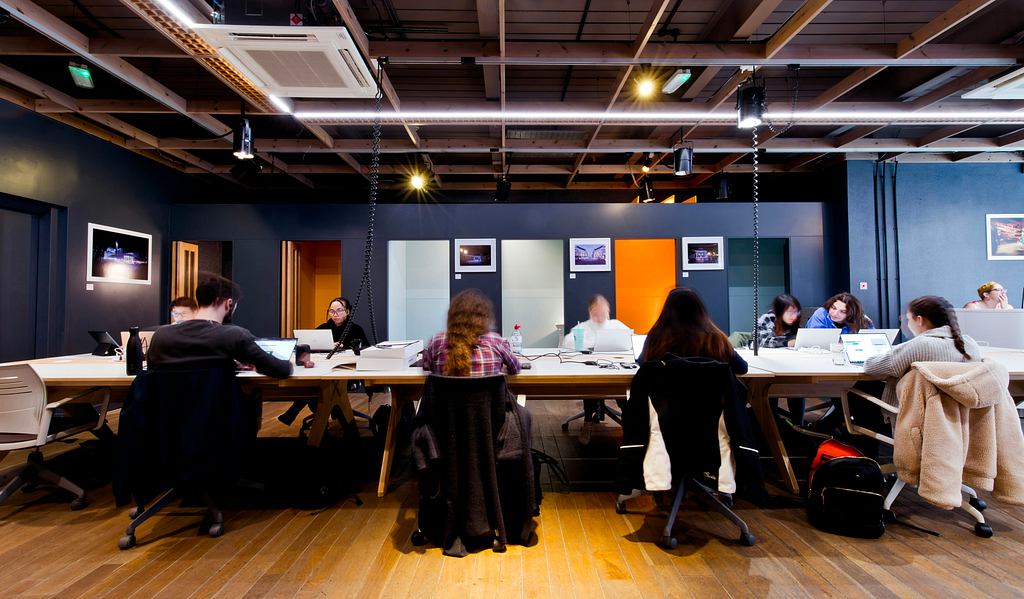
[841, 311]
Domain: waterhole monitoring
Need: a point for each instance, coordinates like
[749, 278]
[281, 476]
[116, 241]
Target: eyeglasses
[337, 312]
[997, 289]
[180, 314]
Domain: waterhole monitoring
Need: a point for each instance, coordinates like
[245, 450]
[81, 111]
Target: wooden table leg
[758, 399]
[400, 397]
[330, 394]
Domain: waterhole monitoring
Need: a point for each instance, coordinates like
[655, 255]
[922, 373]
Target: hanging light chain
[756, 255]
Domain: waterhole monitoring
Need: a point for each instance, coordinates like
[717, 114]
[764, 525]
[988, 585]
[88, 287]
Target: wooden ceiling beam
[946, 21]
[956, 85]
[125, 48]
[802, 160]
[1010, 139]
[793, 26]
[282, 166]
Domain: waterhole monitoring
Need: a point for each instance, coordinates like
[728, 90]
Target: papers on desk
[390, 355]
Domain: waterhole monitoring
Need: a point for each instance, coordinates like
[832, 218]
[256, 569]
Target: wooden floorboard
[583, 548]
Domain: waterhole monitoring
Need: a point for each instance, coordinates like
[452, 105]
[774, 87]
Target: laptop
[638, 345]
[279, 348]
[316, 339]
[820, 338]
[105, 343]
[613, 340]
[890, 333]
[861, 346]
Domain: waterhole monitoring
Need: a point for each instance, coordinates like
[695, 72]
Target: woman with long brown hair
[843, 311]
[685, 330]
[469, 347]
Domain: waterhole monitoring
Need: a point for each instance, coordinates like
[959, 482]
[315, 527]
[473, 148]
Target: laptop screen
[861, 346]
[638, 345]
[279, 348]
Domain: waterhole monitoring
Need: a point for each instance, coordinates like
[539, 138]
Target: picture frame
[590, 254]
[119, 256]
[703, 253]
[1005, 236]
[476, 255]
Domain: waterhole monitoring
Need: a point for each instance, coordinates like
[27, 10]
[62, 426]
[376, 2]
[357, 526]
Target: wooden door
[291, 261]
[184, 269]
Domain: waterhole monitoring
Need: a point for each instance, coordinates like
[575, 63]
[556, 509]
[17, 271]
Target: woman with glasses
[337, 314]
[993, 297]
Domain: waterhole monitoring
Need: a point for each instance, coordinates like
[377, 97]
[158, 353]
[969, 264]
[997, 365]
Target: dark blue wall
[92, 180]
[942, 231]
[257, 231]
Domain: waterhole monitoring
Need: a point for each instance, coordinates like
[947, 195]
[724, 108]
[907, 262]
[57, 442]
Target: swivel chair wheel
[78, 504]
[669, 542]
[982, 530]
[126, 542]
[978, 504]
[888, 516]
[134, 512]
[418, 538]
[216, 529]
[565, 426]
[620, 507]
[747, 539]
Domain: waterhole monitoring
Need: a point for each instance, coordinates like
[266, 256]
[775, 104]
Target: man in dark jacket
[206, 342]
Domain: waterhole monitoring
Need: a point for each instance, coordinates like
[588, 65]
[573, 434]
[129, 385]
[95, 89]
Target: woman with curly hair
[469, 347]
[841, 311]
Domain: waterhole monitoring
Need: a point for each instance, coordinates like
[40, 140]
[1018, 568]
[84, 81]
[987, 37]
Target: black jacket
[689, 395]
[354, 332]
[471, 447]
[178, 426]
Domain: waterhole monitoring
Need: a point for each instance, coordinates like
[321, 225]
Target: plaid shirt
[489, 355]
[766, 333]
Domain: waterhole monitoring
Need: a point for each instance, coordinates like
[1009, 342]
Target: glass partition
[418, 289]
[532, 293]
[773, 278]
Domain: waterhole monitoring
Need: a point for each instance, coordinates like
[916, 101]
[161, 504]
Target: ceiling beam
[487, 22]
[946, 21]
[60, 32]
[802, 160]
[280, 165]
[956, 85]
[125, 48]
[793, 26]
[612, 54]
[1010, 139]
[737, 20]
[845, 86]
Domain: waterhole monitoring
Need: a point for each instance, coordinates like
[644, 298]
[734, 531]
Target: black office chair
[471, 447]
[180, 431]
[688, 436]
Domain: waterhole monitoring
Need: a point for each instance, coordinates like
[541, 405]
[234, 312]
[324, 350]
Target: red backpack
[830, 450]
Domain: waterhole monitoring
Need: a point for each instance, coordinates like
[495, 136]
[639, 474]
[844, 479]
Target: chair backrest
[22, 399]
[805, 315]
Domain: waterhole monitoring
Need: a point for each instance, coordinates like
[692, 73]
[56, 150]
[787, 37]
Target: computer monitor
[996, 328]
[279, 348]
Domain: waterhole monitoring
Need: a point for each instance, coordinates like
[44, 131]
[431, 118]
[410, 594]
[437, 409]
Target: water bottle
[516, 341]
[133, 352]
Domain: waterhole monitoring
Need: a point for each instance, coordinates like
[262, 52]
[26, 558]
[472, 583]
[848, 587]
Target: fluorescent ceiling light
[283, 104]
[676, 81]
[172, 7]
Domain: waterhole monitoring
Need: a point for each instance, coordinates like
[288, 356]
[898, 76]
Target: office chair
[973, 506]
[599, 414]
[712, 381]
[180, 431]
[26, 422]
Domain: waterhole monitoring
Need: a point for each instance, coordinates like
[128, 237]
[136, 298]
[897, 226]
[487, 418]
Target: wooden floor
[583, 548]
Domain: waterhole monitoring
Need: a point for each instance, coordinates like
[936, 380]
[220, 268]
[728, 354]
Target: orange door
[645, 271]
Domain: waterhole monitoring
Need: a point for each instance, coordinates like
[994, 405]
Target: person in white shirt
[600, 318]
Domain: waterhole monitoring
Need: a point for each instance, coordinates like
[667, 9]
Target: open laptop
[613, 340]
[279, 348]
[890, 333]
[820, 338]
[861, 346]
[638, 345]
[316, 339]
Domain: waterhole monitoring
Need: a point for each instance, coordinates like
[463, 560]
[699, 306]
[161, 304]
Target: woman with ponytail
[469, 347]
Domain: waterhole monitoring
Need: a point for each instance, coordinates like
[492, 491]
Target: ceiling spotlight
[684, 161]
[502, 189]
[647, 165]
[245, 170]
[644, 87]
[648, 189]
[750, 105]
[417, 181]
[676, 81]
[81, 76]
[242, 144]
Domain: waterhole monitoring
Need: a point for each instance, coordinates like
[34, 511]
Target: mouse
[526, 366]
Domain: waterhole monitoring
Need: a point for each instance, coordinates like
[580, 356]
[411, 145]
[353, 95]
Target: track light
[750, 105]
[81, 76]
[647, 165]
[242, 144]
[684, 161]
[417, 181]
[648, 189]
[645, 87]
[502, 189]
[245, 170]
[676, 81]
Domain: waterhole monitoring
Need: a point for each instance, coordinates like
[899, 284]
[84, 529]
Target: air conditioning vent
[1010, 87]
[318, 62]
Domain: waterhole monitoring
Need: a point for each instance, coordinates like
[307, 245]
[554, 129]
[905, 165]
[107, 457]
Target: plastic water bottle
[516, 341]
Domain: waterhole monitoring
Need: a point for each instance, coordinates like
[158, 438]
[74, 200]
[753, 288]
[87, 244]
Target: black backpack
[846, 498]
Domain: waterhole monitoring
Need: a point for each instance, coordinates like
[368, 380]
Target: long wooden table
[773, 373]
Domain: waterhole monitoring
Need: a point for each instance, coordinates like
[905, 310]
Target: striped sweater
[933, 345]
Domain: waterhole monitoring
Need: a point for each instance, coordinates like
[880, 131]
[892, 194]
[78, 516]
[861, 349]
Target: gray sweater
[933, 345]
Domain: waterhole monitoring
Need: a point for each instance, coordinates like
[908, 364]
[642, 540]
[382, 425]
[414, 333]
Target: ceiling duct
[544, 134]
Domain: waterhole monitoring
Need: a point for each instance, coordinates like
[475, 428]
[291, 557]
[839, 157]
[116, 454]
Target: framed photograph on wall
[119, 256]
[590, 254]
[476, 255]
[1005, 236]
[703, 253]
